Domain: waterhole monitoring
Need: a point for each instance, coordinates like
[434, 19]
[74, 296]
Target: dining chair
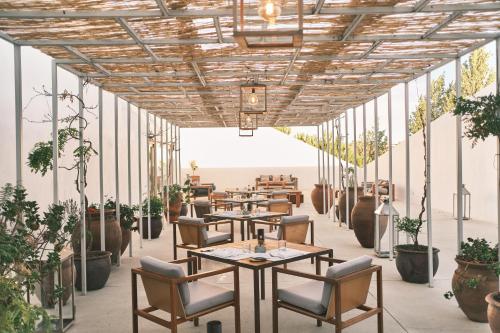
[217, 203]
[202, 208]
[293, 229]
[327, 298]
[279, 194]
[279, 206]
[184, 297]
[194, 234]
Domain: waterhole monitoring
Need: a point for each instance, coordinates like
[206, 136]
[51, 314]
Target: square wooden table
[236, 216]
[259, 267]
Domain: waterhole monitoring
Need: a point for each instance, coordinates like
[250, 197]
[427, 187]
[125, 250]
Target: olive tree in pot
[475, 277]
[40, 161]
[156, 209]
[174, 199]
[30, 246]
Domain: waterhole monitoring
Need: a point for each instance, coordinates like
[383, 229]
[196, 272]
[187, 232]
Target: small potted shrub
[174, 201]
[475, 277]
[156, 209]
[186, 191]
[412, 259]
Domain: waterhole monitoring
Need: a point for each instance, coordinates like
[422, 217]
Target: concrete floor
[408, 307]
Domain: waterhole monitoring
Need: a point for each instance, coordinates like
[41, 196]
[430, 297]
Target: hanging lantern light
[269, 10]
[253, 98]
[248, 121]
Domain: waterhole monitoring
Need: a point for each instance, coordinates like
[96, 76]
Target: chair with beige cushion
[185, 297]
[291, 228]
[194, 233]
[279, 194]
[327, 298]
[218, 204]
[279, 206]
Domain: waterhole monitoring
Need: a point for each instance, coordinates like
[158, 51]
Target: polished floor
[408, 307]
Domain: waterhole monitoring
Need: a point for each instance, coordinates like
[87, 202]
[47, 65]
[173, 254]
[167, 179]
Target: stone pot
[126, 234]
[45, 290]
[174, 208]
[317, 198]
[184, 209]
[98, 269]
[472, 300]
[363, 221]
[112, 232]
[412, 263]
[493, 300]
[343, 202]
[156, 227]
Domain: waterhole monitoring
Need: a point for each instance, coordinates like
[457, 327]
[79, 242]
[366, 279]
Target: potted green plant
[127, 220]
[30, 243]
[40, 161]
[174, 200]
[475, 277]
[186, 194]
[156, 209]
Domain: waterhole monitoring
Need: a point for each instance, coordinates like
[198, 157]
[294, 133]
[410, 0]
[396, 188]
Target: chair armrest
[198, 276]
[330, 260]
[183, 260]
[264, 222]
[217, 223]
[304, 275]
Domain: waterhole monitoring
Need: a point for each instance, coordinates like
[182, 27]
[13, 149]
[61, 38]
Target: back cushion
[264, 178]
[276, 178]
[195, 220]
[291, 219]
[339, 270]
[277, 201]
[154, 265]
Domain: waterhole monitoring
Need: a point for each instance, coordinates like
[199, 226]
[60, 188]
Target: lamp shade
[385, 209]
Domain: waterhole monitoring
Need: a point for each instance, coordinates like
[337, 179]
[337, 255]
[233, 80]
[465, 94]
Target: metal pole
[498, 140]
[101, 174]
[333, 170]
[328, 167]
[148, 166]
[139, 169]
[339, 145]
[81, 166]
[428, 179]
[460, 224]
[407, 155]
[355, 164]
[179, 153]
[364, 149]
[168, 156]
[175, 154]
[347, 206]
[162, 160]
[323, 166]
[391, 194]
[377, 219]
[55, 139]
[319, 166]
[18, 91]
[117, 171]
[155, 154]
[129, 167]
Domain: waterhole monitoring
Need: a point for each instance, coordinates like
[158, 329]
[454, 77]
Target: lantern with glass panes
[248, 121]
[388, 215]
[465, 204]
[253, 98]
[268, 23]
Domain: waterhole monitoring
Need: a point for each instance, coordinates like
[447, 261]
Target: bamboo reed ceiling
[178, 59]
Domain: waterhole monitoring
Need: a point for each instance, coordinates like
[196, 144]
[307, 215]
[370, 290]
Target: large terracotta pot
[493, 300]
[343, 202]
[472, 300]
[125, 239]
[317, 198]
[156, 227]
[98, 269]
[45, 291]
[363, 221]
[112, 231]
[412, 263]
[174, 208]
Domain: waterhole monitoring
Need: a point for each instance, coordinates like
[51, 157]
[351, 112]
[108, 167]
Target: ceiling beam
[441, 25]
[318, 7]
[218, 29]
[163, 7]
[198, 73]
[290, 66]
[421, 5]
[348, 31]
[87, 60]
[136, 37]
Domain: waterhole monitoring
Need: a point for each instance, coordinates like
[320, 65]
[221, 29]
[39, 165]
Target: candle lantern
[465, 204]
[386, 212]
[253, 98]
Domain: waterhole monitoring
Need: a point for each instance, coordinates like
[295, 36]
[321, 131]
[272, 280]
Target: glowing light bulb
[253, 99]
[248, 121]
[269, 10]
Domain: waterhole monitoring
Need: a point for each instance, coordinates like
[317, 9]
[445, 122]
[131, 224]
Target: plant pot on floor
[317, 196]
[156, 227]
[112, 232]
[126, 234]
[343, 203]
[184, 209]
[493, 300]
[98, 269]
[45, 291]
[174, 208]
[412, 262]
[363, 221]
[471, 299]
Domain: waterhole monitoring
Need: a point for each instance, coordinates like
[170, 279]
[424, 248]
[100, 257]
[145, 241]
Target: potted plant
[475, 278]
[112, 233]
[348, 186]
[493, 300]
[193, 166]
[173, 209]
[318, 194]
[40, 161]
[127, 219]
[156, 209]
[30, 243]
[186, 194]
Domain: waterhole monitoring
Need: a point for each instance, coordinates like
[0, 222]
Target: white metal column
[498, 139]
[319, 164]
[55, 137]
[328, 167]
[139, 169]
[179, 153]
[407, 153]
[18, 95]
[148, 166]
[391, 194]
[101, 174]
[168, 156]
[83, 227]
[428, 178]
[339, 146]
[129, 169]
[355, 152]
[323, 166]
[346, 173]
[377, 221]
[333, 170]
[162, 160]
[175, 154]
[458, 89]
[364, 149]
[117, 170]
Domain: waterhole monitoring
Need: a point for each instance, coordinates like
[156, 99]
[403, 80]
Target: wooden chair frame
[334, 311]
[177, 315]
[289, 225]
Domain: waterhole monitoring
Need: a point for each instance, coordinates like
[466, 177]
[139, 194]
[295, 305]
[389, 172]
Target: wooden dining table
[248, 218]
[258, 268]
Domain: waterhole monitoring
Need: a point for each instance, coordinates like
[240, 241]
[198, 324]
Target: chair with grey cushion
[291, 228]
[202, 208]
[278, 194]
[186, 298]
[327, 298]
[194, 233]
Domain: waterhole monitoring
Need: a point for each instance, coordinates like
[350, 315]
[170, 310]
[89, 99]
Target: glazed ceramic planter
[363, 221]
[493, 300]
[413, 264]
[317, 196]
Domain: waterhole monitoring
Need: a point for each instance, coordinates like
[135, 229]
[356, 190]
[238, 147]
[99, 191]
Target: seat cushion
[292, 219]
[170, 270]
[277, 201]
[306, 296]
[271, 235]
[205, 296]
[216, 237]
[195, 220]
[339, 270]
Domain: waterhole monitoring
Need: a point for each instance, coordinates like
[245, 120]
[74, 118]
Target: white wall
[36, 74]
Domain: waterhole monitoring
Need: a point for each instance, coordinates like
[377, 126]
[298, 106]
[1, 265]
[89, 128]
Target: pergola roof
[178, 59]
